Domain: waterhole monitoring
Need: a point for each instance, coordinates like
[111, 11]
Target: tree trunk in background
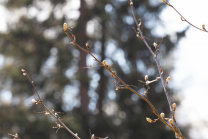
[103, 79]
[82, 39]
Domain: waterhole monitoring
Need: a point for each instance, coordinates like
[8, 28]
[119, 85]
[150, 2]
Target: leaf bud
[149, 120]
[87, 44]
[168, 79]
[162, 115]
[171, 121]
[34, 101]
[47, 113]
[155, 44]
[104, 63]
[131, 3]
[174, 105]
[24, 74]
[65, 26]
[203, 26]
[146, 77]
[22, 70]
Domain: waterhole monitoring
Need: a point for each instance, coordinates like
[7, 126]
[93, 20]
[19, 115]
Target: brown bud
[203, 26]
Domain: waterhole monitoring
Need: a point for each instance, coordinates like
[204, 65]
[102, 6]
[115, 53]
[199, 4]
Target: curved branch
[184, 19]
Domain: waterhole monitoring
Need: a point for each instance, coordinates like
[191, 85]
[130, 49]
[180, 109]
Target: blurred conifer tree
[36, 42]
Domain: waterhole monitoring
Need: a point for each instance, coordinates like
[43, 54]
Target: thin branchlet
[184, 19]
[47, 111]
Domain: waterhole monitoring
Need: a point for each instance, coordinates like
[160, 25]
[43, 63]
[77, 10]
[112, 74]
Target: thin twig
[39, 101]
[184, 19]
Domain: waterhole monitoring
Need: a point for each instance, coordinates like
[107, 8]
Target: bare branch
[184, 19]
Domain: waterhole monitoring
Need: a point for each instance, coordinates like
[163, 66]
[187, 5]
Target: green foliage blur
[36, 42]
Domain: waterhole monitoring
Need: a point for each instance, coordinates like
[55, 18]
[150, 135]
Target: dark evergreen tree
[38, 44]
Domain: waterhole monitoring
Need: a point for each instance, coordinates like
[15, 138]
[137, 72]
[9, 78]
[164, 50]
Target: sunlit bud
[174, 105]
[116, 88]
[155, 44]
[56, 114]
[162, 115]
[87, 44]
[104, 63]
[168, 79]
[76, 134]
[164, 1]
[149, 120]
[203, 26]
[146, 77]
[182, 18]
[140, 23]
[47, 113]
[24, 74]
[59, 125]
[65, 26]
[176, 135]
[32, 81]
[137, 35]
[131, 3]
[34, 101]
[171, 121]
[22, 70]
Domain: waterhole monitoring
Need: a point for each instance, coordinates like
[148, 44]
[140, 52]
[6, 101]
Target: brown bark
[83, 78]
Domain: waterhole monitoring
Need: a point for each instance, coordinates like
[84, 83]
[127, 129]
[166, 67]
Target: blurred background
[32, 38]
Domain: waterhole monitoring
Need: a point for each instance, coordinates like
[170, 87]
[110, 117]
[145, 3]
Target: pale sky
[190, 62]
